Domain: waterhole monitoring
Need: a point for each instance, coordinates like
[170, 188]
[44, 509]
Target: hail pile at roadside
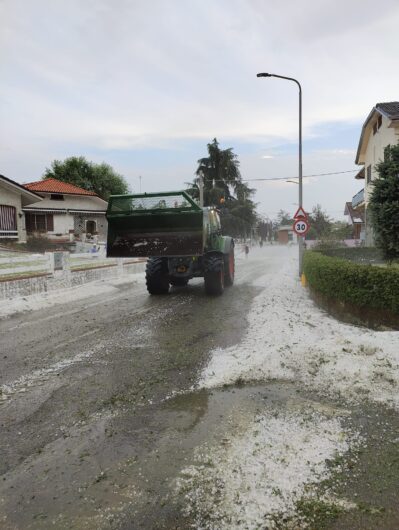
[290, 338]
[258, 478]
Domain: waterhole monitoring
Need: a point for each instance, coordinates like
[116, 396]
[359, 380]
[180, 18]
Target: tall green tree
[224, 188]
[100, 178]
[384, 204]
[320, 222]
[341, 230]
[219, 170]
[284, 218]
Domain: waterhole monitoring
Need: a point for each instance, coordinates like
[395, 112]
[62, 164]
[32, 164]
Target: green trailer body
[154, 224]
[180, 239]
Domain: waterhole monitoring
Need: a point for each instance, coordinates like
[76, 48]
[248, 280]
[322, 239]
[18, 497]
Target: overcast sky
[145, 85]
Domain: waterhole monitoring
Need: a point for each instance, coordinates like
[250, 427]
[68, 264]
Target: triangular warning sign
[300, 214]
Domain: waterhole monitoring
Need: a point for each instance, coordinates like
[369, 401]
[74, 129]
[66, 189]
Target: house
[380, 129]
[355, 216]
[66, 212]
[286, 234]
[13, 198]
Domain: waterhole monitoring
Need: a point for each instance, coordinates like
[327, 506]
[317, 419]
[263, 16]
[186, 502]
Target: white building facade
[66, 212]
[380, 130]
[13, 198]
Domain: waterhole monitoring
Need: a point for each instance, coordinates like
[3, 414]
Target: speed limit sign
[301, 226]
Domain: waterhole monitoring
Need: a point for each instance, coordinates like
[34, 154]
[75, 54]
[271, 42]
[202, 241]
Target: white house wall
[11, 198]
[81, 202]
[62, 224]
[375, 150]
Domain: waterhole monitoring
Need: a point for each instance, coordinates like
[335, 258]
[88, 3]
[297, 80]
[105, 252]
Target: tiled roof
[390, 109]
[56, 186]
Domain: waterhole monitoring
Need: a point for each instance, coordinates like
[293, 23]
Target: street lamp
[301, 246]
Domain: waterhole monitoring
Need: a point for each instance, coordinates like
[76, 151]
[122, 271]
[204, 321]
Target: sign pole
[301, 244]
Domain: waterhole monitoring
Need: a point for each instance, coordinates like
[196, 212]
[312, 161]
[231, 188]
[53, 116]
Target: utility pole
[201, 190]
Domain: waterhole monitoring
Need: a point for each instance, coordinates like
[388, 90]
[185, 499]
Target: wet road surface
[98, 415]
[83, 413]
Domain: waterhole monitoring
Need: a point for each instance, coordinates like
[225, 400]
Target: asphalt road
[88, 437]
[98, 414]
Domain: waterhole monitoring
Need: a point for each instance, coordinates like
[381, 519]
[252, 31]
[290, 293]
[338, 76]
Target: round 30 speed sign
[301, 227]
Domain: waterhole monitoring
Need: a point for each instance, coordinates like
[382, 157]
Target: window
[8, 218]
[368, 174]
[39, 222]
[56, 197]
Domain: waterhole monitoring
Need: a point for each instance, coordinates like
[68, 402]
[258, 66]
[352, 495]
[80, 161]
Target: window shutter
[8, 218]
[50, 222]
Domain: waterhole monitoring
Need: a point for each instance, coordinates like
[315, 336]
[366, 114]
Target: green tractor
[180, 239]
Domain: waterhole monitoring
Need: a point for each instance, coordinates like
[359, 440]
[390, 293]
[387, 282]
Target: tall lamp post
[301, 246]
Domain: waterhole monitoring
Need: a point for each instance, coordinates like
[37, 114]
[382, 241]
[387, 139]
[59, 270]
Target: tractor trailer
[180, 239]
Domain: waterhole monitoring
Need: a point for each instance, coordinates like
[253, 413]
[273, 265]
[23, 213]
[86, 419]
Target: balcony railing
[358, 198]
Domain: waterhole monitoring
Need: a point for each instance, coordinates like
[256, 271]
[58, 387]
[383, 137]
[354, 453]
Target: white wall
[375, 151]
[78, 202]
[62, 223]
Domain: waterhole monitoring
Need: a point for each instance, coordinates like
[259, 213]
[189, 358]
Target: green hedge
[345, 281]
[358, 254]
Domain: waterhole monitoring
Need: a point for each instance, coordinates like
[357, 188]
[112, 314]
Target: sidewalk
[67, 295]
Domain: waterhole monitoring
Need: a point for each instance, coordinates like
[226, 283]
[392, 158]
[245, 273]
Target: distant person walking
[246, 250]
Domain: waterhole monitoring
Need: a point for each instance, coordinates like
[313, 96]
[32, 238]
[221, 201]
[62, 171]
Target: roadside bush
[358, 254]
[39, 244]
[364, 286]
[328, 244]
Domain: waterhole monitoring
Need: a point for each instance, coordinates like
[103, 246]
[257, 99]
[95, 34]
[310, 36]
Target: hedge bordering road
[361, 286]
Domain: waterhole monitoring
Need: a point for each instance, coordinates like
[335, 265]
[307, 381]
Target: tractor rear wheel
[229, 268]
[214, 276]
[178, 282]
[156, 276]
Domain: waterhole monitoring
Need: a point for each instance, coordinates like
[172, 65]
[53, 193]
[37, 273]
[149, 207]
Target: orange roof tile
[57, 186]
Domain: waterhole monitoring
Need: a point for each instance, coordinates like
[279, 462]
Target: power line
[304, 176]
[292, 178]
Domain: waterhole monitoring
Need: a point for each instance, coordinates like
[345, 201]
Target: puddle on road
[160, 466]
[124, 468]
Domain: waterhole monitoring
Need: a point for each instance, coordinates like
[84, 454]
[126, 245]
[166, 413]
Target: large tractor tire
[157, 276]
[178, 282]
[214, 275]
[229, 268]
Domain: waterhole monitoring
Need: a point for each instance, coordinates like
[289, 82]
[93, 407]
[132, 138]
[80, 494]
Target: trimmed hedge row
[362, 285]
[358, 254]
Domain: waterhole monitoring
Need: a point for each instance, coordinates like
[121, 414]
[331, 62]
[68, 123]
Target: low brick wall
[63, 279]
